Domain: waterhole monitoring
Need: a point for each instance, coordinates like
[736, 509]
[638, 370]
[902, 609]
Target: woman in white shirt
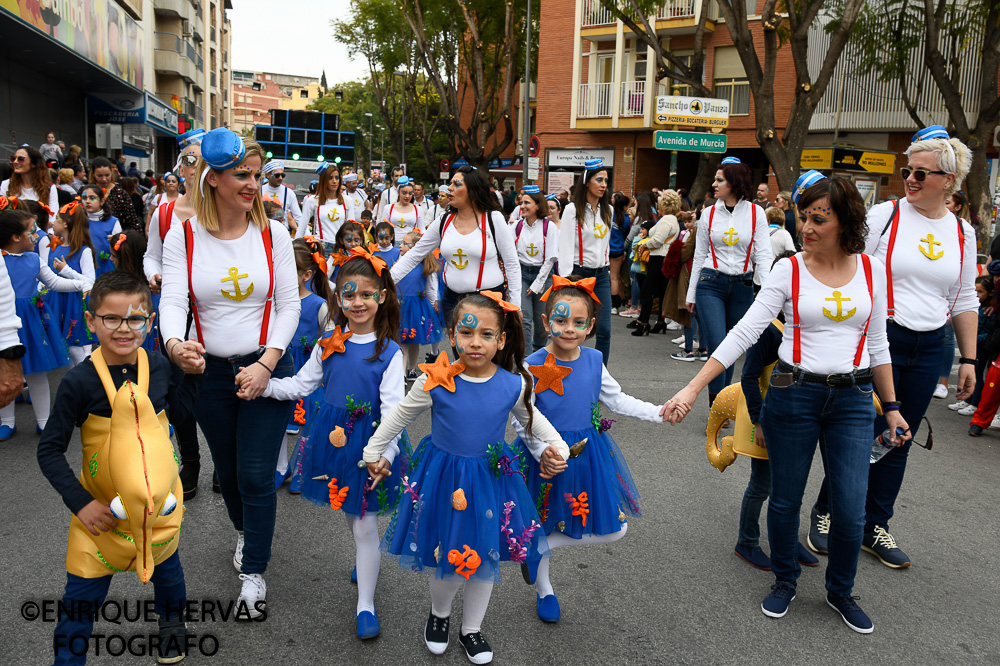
[403, 214]
[325, 213]
[536, 238]
[663, 233]
[167, 190]
[584, 242]
[238, 268]
[732, 237]
[930, 262]
[476, 243]
[834, 346]
[30, 180]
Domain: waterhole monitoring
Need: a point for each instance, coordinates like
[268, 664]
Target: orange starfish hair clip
[559, 282]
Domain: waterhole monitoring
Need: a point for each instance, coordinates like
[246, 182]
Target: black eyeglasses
[929, 444]
[113, 322]
[919, 174]
[189, 160]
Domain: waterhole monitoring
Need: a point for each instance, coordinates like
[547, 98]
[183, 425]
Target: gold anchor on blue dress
[839, 300]
[731, 237]
[929, 252]
[532, 250]
[461, 263]
[234, 275]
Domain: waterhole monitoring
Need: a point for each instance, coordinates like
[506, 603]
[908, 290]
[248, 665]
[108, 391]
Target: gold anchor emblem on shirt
[334, 214]
[839, 300]
[235, 277]
[600, 231]
[731, 237]
[461, 263]
[929, 252]
[532, 250]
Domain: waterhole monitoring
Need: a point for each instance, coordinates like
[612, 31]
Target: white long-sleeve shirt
[461, 255]
[332, 215]
[535, 248]
[433, 214]
[30, 193]
[595, 237]
[828, 345]
[358, 198]
[730, 237]
[403, 222]
[9, 321]
[781, 242]
[926, 280]
[418, 401]
[152, 261]
[310, 377]
[230, 281]
[389, 196]
[663, 233]
[284, 196]
[65, 280]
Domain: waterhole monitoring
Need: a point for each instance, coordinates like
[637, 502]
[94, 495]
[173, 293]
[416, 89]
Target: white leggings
[78, 355]
[367, 557]
[543, 586]
[38, 389]
[476, 600]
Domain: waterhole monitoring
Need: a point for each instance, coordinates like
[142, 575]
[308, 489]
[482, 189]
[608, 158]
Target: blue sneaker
[368, 626]
[292, 429]
[295, 487]
[529, 571]
[806, 558]
[776, 603]
[548, 608]
[755, 557]
[6, 432]
[279, 478]
[354, 575]
[853, 616]
[39, 429]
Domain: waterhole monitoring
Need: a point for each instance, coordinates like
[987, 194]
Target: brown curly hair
[847, 204]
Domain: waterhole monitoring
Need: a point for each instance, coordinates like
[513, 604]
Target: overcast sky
[292, 37]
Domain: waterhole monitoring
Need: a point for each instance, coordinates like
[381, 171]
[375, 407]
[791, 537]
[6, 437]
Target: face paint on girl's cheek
[581, 325]
[561, 310]
[469, 320]
[349, 289]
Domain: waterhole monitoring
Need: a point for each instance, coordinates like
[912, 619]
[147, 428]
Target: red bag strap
[867, 264]
[444, 227]
[796, 338]
[319, 222]
[711, 245]
[890, 303]
[165, 217]
[269, 251]
[482, 257]
[189, 251]
[753, 232]
[961, 263]
[579, 234]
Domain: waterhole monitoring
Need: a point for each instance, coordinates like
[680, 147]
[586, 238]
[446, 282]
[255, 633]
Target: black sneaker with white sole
[173, 641]
[436, 633]
[476, 648]
[819, 532]
[882, 545]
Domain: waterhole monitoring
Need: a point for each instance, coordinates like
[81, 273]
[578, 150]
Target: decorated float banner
[97, 30]
[699, 111]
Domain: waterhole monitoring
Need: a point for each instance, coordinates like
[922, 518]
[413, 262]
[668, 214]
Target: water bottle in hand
[883, 444]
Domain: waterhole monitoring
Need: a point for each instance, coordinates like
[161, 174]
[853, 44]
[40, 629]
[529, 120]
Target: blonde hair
[204, 204]
[953, 156]
[669, 202]
[65, 176]
[775, 215]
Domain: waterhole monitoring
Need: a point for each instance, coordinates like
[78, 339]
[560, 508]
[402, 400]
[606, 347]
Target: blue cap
[552, 197]
[805, 181]
[222, 148]
[931, 132]
[191, 137]
[311, 182]
[403, 180]
[731, 160]
[272, 165]
[591, 165]
[531, 189]
[322, 166]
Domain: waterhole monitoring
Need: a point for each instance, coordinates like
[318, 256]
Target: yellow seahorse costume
[129, 463]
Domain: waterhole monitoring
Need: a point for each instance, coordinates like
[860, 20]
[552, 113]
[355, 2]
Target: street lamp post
[370, 134]
[402, 122]
[525, 115]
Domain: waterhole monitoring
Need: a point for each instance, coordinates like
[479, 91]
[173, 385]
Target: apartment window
[731, 81]
[241, 98]
[304, 93]
[639, 66]
[267, 77]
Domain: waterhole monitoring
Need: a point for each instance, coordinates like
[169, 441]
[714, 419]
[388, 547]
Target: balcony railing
[633, 99]
[680, 9]
[595, 100]
[594, 14]
[168, 41]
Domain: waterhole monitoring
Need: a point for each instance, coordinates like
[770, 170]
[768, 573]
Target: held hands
[551, 463]
[378, 471]
[895, 420]
[252, 380]
[188, 356]
[97, 515]
[58, 264]
[678, 406]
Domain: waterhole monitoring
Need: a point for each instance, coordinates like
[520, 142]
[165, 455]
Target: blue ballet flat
[279, 478]
[6, 432]
[548, 608]
[354, 575]
[529, 571]
[39, 429]
[295, 487]
[368, 626]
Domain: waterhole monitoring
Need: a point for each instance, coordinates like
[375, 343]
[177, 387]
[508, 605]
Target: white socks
[367, 557]
[41, 400]
[543, 586]
[77, 355]
[283, 455]
[476, 601]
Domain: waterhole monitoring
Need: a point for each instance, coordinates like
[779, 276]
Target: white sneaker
[674, 326]
[252, 601]
[238, 555]
[940, 391]
[968, 410]
[995, 425]
[678, 341]
[614, 310]
[956, 406]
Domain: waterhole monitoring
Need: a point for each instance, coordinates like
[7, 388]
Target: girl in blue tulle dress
[39, 332]
[361, 368]
[127, 251]
[420, 323]
[590, 502]
[103, 225]
[385, 236]
[465, 508]
[70, 242]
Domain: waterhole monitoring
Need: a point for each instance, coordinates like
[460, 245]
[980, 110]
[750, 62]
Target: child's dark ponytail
[306, 253]
[128, 249]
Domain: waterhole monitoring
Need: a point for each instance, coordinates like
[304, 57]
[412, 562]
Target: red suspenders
[482, 257]
[753, 231]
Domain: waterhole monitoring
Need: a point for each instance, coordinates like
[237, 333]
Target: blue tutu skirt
[74, 326]
[40, 335]
[315, 456]
[418, 323]
[152, 341]
[601, 472]
[462, 517]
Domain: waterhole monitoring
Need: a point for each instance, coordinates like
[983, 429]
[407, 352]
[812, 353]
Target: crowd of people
[227, 305]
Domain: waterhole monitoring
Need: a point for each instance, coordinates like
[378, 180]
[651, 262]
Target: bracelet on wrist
[261, 364]
[968, 361]
[890, 406]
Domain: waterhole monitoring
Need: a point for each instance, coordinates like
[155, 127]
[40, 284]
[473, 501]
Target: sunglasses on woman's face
[18, 159]
[189, 160]
[919, 174]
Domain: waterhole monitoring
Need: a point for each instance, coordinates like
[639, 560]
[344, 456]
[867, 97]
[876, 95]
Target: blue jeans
[603, 291]
[794, 418]
[533, 309]
[721, 300]
[244, 438]
[948, 349]
[758, 488]
[691, 334]
[636, 289]
[71, 639]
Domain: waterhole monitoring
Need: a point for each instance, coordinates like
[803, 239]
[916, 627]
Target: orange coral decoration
[334, 343]
[300, 412]
[466, 562]
[581, 505]
[337, 437]
[458, 501]
[550, 375]
[441, 373]
[337, 497]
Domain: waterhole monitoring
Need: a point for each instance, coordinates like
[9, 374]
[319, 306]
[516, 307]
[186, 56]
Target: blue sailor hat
[591, 165]
[222, 148]
[731, 160]
[531, 189]
[272, 165]
[350, 178]
[931, 132]
[805, 181]
[403, 180]
[552, 197]
[190, 137]
[322, 166]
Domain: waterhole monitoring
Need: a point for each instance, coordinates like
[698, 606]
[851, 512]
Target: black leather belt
[835, 380]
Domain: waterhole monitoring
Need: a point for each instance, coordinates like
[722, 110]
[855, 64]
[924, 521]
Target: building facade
[254, 94]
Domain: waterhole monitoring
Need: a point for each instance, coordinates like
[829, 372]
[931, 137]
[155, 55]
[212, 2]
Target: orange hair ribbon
[48, 211]
[377, 263]
[321, 262]
[496, 296]
[71, 207]
[559, 282]
[118, 243]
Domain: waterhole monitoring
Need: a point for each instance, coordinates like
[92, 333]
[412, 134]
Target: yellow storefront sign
[816, 158]
[877, 162]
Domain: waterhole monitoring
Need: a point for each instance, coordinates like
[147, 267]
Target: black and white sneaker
[819, 532]
[882, 545]
[412, 375]
[476, 648]
[173, 641]
[436, 633]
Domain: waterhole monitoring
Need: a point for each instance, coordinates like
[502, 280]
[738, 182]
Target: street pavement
[670, 592]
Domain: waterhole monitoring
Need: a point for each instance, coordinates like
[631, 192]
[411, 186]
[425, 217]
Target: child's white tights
[38, 389]
[367, 557]
[475, 601]
[77, 355]
[543, 586]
